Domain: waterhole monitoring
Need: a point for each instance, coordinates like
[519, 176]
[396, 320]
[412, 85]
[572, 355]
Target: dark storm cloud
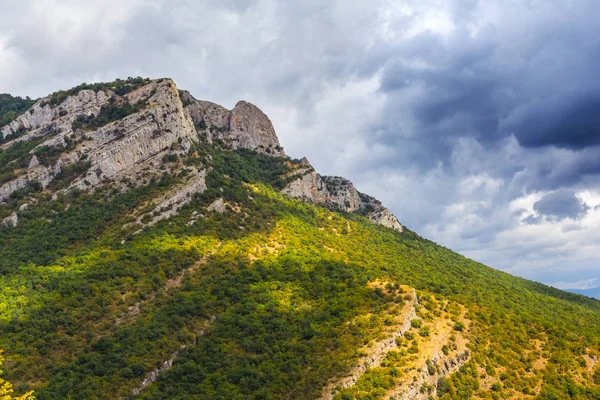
[536, 79]
[447, 111]
[569, 120]
[561, 204]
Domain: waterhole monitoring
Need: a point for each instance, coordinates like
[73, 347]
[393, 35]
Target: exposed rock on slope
[309, 186]
[342, 193]
[125, 148]
[338, 193]
[91, 136]
[244, 127]
[250, 128]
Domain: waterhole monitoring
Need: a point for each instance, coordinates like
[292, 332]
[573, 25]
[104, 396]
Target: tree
[6, 389]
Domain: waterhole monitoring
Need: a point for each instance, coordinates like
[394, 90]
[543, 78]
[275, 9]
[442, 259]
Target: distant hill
[157, 246]
[593, 292]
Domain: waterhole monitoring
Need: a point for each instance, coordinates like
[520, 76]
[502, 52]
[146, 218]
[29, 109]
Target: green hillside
[273, 298]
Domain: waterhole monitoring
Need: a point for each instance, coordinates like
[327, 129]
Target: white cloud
[320, 71]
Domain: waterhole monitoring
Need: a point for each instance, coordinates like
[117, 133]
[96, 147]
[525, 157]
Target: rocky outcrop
[217, 206]
[377, 354]
[309, 186]
[10, 221]
[385, 218]
[339, 194]
[42, 119]
[10, 187]
[154, 374]
[243, 127]
[172, 202]
[342, 193]
[377, 213]
[250, 128]
[124, 149]
[443, 367]
[165, 366]
[166, 122]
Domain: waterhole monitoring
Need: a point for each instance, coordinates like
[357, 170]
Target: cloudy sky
[476, 121]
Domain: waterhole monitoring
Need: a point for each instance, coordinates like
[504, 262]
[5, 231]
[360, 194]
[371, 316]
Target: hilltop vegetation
[11, 107]
[259, 300]
[141, 257]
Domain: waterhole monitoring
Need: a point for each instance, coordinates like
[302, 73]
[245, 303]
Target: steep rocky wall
[243, 127]
[126, 148]
[250, 128]
[166, 121]
[308, 187]
[340, 194]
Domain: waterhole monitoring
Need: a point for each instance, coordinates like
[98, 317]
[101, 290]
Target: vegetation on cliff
[262, 297]
[87, 310]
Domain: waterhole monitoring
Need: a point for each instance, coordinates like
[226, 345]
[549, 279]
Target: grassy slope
[282, 278]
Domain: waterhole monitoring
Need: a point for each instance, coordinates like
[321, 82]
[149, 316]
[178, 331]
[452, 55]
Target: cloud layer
[476, 122]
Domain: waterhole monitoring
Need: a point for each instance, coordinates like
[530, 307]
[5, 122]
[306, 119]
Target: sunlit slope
[271, 298]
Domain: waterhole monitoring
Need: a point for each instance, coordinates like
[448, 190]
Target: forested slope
[246, 293]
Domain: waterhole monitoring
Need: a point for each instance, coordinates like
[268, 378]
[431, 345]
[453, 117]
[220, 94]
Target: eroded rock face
[342, 193]
[171, 203]
[338, 193]
[43, 119]
[308, 187]
[250, 128]
[217, 206]
[386, 218]
[167, 121]
[10, 221]
[244, 127]
[123, 149]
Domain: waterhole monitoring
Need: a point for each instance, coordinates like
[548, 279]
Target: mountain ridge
[157, 253]
[153, 117]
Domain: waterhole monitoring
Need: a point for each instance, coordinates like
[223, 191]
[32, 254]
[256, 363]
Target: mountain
[592, 292]
[156, 246]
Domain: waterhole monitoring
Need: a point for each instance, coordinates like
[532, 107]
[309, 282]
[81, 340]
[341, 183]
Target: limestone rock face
[308, 187]
[250, 128]
[123, 149]
[217, 206]
[386, 218]
[207, 116]
[172, 202]
[339, 194]
[244, 127]
[10, 221]
[342, 193]
[164, 121]
[42, 119]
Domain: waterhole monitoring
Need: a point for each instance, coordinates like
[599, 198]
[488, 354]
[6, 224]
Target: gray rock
[308, 187]
[342, 193]
[245, 126]
[338, 193]
[250, 128]
[10, 221]
[217, 206]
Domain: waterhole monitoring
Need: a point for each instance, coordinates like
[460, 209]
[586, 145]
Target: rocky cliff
[340, 194]
[125, 132]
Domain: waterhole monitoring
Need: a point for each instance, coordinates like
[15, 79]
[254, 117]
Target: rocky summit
[156, 246]
[116, 135]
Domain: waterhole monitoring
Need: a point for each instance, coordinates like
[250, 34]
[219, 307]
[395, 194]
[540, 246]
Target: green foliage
[14, 158]
[459, 326]
[47, 155]
[113, 111]
[87, 309]
[11, 107]
[120, 87]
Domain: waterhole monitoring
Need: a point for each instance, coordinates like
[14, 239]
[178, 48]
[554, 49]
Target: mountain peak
[122, 131]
